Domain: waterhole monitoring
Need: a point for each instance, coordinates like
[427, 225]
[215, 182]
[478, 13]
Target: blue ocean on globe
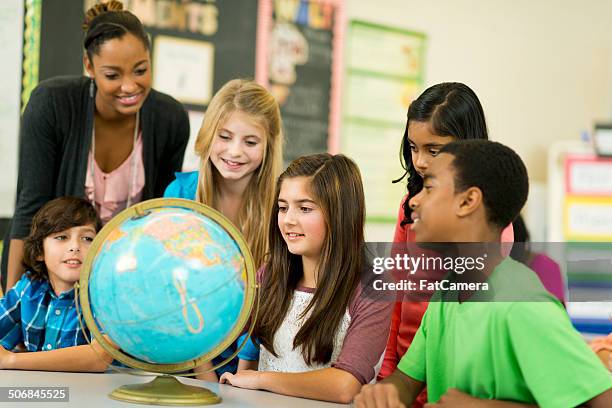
[168, 287]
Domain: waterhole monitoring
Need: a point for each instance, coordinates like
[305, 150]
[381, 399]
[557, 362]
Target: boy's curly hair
[57, 215]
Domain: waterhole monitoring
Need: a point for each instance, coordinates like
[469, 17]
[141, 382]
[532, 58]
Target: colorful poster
[379, 165]
[588, 175]
[588, 219]
[384, 74]
[184, 68]
[379, 99]
[386, 50]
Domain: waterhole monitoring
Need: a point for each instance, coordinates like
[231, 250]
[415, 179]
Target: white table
[91, 391]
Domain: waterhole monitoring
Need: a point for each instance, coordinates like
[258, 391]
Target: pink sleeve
[507, 239]
[508, 234]
[391, 358]
[549, 273]
[400, 231]
[365, 341]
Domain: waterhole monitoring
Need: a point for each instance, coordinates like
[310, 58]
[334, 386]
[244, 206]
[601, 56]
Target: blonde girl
[240, 150]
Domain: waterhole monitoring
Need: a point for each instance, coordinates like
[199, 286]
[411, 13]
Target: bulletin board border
[31, 48]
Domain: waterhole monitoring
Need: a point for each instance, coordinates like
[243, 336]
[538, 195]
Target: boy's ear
[470, 201]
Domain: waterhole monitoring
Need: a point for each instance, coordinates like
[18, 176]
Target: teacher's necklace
[132, 177]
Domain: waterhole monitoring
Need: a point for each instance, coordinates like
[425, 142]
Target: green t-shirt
[518, 351]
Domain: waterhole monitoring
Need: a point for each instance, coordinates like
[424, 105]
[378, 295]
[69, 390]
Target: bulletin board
[385, 71]
[300, 60]
[580, 231]
[587, 212]
[587, 222]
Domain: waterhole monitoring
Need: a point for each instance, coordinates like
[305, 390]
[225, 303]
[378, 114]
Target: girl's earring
[91, 88]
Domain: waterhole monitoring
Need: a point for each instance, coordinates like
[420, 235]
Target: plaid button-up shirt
[32, 314]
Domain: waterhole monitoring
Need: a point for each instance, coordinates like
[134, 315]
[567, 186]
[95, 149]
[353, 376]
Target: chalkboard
[61, 39]
[300, 72]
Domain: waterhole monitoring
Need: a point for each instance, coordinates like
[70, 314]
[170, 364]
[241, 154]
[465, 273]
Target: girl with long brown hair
[321, 335]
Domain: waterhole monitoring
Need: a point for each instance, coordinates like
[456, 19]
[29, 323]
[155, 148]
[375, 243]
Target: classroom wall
[541, 68]
[11, 15]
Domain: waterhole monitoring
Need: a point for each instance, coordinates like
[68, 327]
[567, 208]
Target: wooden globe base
[165, 390]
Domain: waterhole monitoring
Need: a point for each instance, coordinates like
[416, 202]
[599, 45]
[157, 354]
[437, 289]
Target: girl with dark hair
[441, 114]
[545, 267]
[321, 335]
[108, 138]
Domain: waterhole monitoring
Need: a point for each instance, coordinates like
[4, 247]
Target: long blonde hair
[254, 216]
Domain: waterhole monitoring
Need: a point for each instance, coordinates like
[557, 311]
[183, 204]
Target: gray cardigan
[55, 139]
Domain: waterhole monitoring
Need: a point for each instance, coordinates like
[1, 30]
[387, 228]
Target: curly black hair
[452, 109]
[497, 171]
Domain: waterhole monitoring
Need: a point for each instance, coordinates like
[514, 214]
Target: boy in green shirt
[495, 353]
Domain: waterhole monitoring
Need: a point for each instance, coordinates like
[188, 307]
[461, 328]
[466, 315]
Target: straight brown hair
[336, 185]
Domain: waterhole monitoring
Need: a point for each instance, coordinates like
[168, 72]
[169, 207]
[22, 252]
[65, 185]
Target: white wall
[11, 18]
[541, 68]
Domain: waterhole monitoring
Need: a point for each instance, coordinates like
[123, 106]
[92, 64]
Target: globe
[170, 282]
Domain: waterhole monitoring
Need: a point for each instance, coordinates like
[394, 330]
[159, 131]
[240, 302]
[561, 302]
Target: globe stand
[165, 390]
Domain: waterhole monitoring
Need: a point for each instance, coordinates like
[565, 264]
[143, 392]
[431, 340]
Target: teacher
[107, 137]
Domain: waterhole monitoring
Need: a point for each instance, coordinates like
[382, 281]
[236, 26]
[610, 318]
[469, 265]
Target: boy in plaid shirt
[39, 311]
